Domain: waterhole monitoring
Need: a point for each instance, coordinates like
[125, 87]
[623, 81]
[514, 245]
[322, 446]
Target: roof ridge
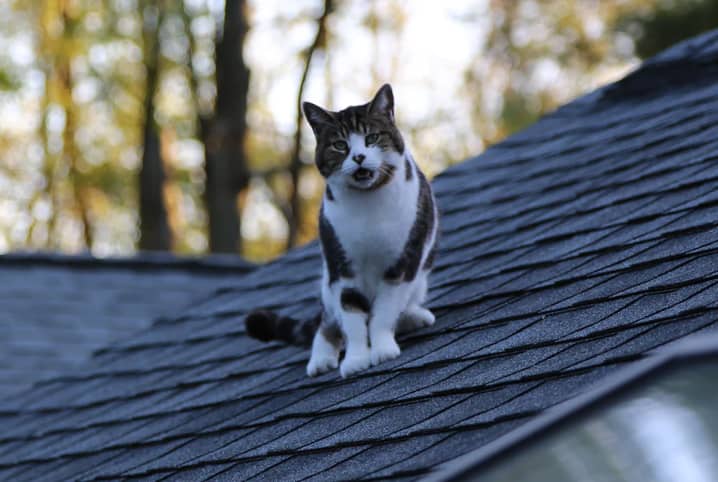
[143, 260]
[675, 66]
[701, 48]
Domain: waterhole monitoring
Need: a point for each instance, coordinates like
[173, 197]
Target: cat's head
[360, 146]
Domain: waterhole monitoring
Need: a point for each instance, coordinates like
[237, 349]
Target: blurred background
[130, 125]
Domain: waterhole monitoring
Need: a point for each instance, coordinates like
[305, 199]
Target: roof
[57, 309]
[568, 252]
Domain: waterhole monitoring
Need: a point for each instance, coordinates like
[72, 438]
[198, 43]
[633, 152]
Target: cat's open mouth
[363, 174]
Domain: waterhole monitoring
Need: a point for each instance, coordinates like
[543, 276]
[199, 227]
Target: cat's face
[359, 146]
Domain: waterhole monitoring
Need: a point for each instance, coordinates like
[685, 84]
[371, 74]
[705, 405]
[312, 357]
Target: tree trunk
[70, 152]
[295, 165]
[225, 160]
[154, 228]
[49, 161]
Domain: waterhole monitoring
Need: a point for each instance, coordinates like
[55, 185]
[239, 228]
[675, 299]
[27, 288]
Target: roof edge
[217, 263]
[554, 418]
[675, 65]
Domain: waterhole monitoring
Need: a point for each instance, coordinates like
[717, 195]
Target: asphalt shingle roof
[568, 251]
[57, 309]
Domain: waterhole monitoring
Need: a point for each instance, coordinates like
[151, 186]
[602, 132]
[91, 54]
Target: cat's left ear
[383, 103]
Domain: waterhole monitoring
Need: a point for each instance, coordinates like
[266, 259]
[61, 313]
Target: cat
[378, 227]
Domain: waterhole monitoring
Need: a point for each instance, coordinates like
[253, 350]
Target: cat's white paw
[416, 317]
[354, 363]
[321, 364]
[385, 348]
[424, 317]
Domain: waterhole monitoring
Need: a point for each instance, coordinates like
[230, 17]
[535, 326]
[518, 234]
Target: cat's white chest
[373, 227]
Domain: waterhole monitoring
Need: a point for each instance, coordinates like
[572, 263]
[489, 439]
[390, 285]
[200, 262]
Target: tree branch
[318, 43]
[191, 72]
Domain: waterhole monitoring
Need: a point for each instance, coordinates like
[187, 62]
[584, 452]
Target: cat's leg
[354, 308]
[325, 348]
[327, 340]
[390, 302]
[356, 357]
[416, 316]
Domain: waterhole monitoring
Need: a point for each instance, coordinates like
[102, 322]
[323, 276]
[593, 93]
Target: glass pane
[665, 431]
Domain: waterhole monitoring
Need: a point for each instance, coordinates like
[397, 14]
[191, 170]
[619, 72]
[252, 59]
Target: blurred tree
[68, 23]
[657, 28]
[154, 228]
[120, 129]
[538, 55]
[224, 134]
[46, 40]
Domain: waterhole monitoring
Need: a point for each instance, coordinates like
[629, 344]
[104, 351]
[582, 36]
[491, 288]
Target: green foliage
[8, 81]
[670, 22]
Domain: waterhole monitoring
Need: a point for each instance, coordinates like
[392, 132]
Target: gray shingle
[58, 309]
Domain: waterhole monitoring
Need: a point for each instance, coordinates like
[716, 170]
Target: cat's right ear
[316, 116]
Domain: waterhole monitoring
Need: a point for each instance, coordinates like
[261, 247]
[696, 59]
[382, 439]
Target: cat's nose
[358, 158]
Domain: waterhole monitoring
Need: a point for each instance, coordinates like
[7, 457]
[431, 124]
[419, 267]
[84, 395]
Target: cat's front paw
[354, 363]
[383, 349]
[321, 364]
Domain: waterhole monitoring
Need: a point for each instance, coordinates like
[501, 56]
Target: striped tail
[267, 325]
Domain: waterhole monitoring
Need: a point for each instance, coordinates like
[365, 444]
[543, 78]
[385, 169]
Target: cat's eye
[371, 138]
[340, 146]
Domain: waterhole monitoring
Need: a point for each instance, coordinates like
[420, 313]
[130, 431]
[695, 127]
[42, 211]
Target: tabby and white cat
[377, 227]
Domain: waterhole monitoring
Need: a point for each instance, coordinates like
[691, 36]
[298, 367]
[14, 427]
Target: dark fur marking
[385, 173]
[353, 300]
[408, 169]
[338, 264]
[284, 327]
[407, 265]
[394, 274]
[267, 325]
[307, 329]
[429, 262]
[260, 325]
[332, 333]
[329, 327]
[330, 194]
